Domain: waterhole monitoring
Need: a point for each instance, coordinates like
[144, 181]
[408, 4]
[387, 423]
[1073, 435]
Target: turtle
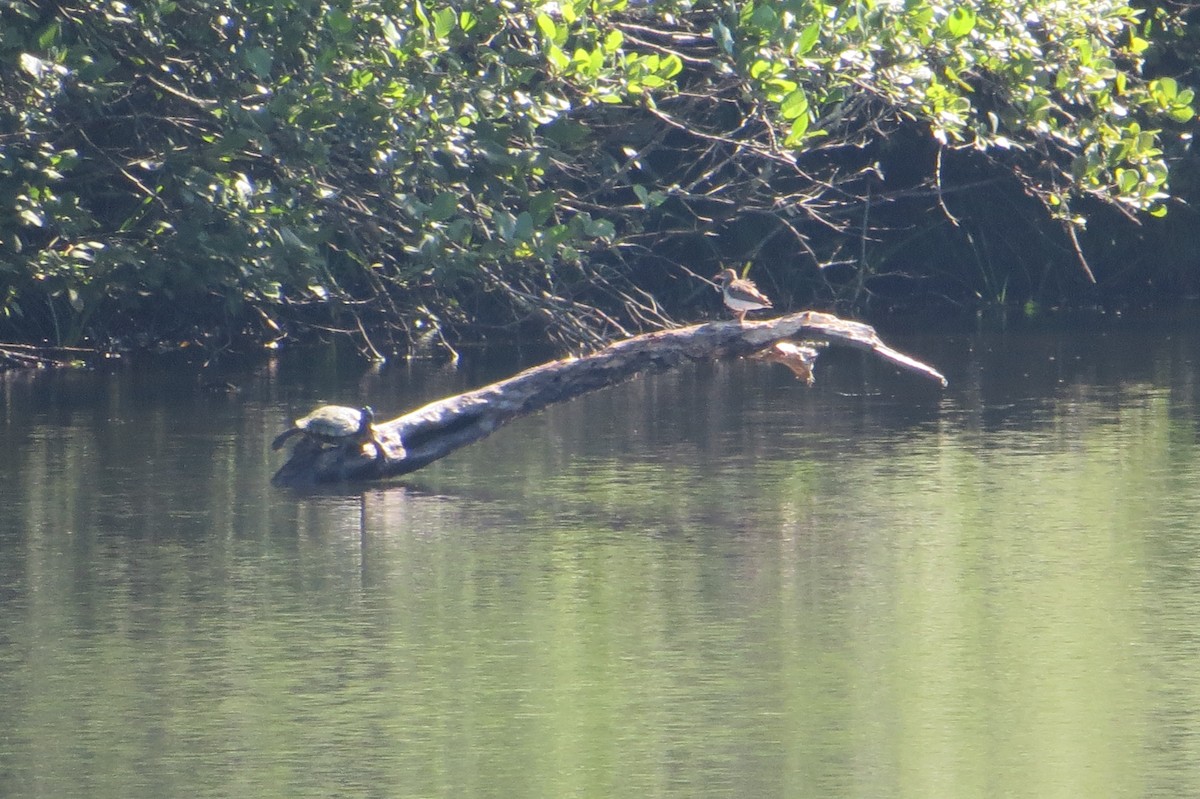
[337, 425]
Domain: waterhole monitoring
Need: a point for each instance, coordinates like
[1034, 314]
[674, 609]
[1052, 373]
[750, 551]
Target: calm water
[709, 583]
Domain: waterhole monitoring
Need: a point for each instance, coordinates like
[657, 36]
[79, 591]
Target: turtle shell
[333, 423]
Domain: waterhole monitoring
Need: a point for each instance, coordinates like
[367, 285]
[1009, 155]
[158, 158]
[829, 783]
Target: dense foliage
[433, 170]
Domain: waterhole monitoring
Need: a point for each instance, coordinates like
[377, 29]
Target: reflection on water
[712, 582]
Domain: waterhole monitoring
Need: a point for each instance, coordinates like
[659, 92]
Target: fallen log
[429, 433]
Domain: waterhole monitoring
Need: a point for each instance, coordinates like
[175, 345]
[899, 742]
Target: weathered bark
[420, 437]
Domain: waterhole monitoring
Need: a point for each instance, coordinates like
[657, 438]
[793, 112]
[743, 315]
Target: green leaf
[556, 235]
[557, 57]
[567, 133]
[1181, 113]
[1086, 51]
[339, 22]
[797, 133]
[505, 225]
[259, 60]
[547, 27]
[523, 229]
[542, 205]
[459, 230]
[600, 229]
[765, 17]
[49, 35]
[794, 105]
[1164, 88]
[444, 206]
[960, 22]
[1127, 179]
[444, 21]
[808, 38]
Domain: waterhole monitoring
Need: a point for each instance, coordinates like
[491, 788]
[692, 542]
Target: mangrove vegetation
[422, 172]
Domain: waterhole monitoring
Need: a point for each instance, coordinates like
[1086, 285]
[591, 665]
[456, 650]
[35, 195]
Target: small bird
[740, 294]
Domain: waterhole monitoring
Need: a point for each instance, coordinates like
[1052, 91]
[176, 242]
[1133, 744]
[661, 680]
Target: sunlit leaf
[1181, 114]
[49, 35]
[794, 105]
[1164, 90]
[960, 22]
[557, 57]
[1127, 179]
[808, 38]
[797, 132]
[444, 21]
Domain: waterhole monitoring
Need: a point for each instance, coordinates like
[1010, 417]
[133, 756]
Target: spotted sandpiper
[740, 294]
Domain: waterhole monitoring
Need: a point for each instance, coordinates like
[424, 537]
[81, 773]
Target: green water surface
[713, 582]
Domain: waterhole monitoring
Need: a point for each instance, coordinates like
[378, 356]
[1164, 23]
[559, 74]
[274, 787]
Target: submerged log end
[311, 463]
[799, 357]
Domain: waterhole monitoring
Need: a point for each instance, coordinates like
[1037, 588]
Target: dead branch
[427, 434]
